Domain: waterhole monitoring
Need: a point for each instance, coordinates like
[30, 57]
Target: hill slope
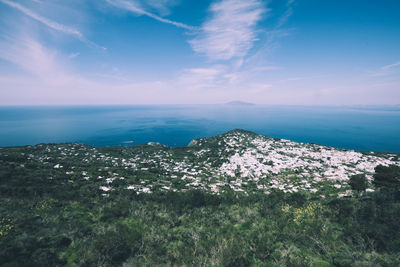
[237, 160]
[238, 199]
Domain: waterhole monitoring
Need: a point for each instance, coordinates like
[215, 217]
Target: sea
[367, 128]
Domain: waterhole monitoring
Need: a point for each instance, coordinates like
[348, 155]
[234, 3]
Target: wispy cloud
[34, 58]
[74, 55]
[391, 66]
[386, 70]
[135, 8]
[231, 30]
[161, 6]
[201, 78]
[286, 15]
[47, 75]
[221, 77]
[272, 36]
[50, 23]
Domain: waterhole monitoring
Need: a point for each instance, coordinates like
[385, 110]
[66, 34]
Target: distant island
[239, 103]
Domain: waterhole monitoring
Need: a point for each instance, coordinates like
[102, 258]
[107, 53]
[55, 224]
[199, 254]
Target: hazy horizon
[201, 104]
[136, 52]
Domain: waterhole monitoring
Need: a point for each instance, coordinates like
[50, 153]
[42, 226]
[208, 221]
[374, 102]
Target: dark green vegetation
[387, 176]
[80, 227]
[51, 218]
[358, 182]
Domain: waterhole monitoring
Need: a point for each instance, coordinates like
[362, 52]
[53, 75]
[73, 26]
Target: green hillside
[238, 199]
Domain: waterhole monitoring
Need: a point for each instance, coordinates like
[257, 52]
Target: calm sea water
[360, 128]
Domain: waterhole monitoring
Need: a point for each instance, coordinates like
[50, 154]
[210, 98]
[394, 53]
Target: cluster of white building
[245, 160]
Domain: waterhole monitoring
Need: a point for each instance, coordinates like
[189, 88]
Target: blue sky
[295, 52]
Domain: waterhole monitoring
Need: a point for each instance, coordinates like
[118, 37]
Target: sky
[127, 52]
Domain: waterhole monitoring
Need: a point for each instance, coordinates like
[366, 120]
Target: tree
[358, 182]
[387, 177]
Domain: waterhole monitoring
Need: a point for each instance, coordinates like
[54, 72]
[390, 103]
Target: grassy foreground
[63, 226]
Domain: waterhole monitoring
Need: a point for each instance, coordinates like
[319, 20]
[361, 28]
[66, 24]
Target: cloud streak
[51, 24]
[161, 6]
[136, 9]
[386, 70]
[230, 32]
[272, 36]
[391, 66]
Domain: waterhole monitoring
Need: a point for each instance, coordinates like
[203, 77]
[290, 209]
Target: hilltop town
[237, 199]
[237, 160]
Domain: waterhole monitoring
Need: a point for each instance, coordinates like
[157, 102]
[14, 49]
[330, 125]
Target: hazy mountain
[239, 103]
